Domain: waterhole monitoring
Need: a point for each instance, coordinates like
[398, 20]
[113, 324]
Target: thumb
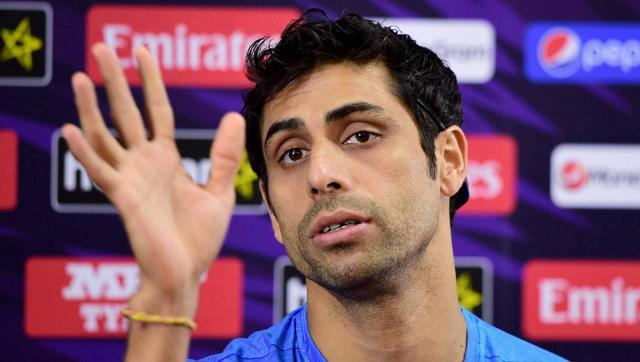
[226, 154]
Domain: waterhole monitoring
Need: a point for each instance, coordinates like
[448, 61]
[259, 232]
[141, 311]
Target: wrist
[180, 302]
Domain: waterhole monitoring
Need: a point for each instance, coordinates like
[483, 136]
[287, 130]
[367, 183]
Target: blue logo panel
[583, 53]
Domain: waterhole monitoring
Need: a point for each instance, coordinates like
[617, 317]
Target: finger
[159, 112]
[226, 153]
[124, 112]
[99, 137]
[97, 168]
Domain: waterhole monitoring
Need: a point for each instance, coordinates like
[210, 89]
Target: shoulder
[283, 341]
[488, 343]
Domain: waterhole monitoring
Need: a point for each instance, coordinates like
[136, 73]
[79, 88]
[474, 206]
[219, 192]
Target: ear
[452, 163]
[274, 220]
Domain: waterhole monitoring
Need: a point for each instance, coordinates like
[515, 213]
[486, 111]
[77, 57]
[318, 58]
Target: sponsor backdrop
[546, 248]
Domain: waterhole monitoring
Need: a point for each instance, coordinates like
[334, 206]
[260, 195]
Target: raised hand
[175, 226]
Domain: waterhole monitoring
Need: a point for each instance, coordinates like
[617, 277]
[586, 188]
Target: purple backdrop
[538, 115]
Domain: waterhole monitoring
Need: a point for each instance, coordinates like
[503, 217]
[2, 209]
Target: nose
[328, 170]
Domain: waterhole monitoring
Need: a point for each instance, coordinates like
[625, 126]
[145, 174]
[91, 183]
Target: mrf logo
[491, 175]
[474, 284]
[583, 52]
[567, 300]
[73, 191]
[25, 43]
[194, 46]
[83, 297]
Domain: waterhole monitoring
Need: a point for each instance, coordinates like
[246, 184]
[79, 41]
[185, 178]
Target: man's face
[348, 180]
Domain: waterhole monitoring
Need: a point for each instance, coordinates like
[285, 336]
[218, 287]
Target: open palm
[175, 226]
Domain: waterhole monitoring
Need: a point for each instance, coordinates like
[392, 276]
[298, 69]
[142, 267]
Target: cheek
[401, 182]
[400, 165]
[285, 199]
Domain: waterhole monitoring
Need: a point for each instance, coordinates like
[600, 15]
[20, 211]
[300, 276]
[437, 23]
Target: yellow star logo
[19, 44]
[468, 297]
[245, 178]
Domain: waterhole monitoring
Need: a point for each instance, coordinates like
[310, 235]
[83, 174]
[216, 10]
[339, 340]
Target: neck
[419, 320]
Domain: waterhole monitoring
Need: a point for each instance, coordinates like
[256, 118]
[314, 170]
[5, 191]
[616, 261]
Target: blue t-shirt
[290, 340]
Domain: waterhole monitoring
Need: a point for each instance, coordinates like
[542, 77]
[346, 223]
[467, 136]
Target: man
[354, 131]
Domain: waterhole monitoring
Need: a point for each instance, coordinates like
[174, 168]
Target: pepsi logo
[574, 175]
[558, 52]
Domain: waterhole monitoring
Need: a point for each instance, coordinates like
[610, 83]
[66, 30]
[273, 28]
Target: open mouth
[339, 226]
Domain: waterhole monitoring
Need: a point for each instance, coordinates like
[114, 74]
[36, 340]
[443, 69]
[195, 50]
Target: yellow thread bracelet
[155, 318]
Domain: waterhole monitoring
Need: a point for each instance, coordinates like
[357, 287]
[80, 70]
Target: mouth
[338, 227]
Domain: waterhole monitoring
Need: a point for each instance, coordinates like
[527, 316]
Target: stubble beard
[380, 271]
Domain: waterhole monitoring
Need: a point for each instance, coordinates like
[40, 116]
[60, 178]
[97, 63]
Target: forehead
[312, 96]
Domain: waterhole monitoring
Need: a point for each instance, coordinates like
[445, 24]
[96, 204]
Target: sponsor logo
[194, 46]
[574, 175]
[558, 52]
[470, 54]
[289, 288]
[9, 168]
[25, 43]
[565, 300]
[474, 284]
[73, 191]
[491, 175]
[596, 176]
[577, 52]
[83, 297]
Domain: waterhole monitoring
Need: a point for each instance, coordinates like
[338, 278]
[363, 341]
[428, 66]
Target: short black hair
[313, 40]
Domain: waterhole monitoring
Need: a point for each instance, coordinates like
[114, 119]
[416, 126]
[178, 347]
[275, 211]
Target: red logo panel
[83, 297]
[195, 46]
[491, 175]
[8, 170]
[582, 300]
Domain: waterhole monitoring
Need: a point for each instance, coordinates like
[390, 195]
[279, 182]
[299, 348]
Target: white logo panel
[468, 46]
[596, 176]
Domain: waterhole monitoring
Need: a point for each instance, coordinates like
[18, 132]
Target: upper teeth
[335, 227]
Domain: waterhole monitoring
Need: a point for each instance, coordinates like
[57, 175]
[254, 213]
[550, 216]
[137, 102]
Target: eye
[361, 137]
[292, 155]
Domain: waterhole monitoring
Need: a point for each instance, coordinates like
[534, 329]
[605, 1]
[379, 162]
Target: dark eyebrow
[291, 123]
[345, 110]
[332, 116]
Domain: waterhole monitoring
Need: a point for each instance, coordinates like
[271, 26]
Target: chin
[358, 277]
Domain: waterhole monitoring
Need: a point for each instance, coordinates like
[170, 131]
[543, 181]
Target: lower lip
[342, 235]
